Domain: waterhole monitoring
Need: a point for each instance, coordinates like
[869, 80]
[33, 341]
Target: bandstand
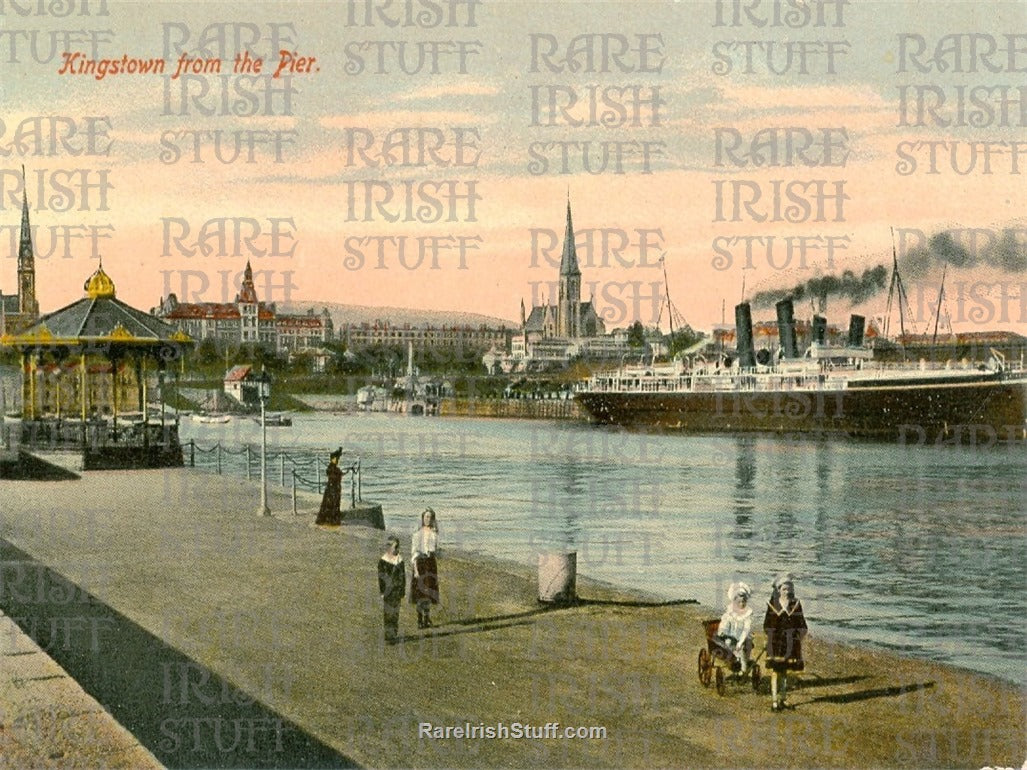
[84, 379]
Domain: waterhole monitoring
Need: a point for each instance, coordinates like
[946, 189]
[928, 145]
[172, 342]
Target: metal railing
[304, 471]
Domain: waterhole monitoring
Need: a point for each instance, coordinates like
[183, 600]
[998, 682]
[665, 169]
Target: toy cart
[717, 656]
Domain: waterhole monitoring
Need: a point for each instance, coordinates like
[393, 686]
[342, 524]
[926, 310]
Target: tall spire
[27, 304]
[569, 261]
[26, 256]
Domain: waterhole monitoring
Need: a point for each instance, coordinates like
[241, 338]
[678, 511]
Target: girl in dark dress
[424, 589]
[392, 581]
[785, 627]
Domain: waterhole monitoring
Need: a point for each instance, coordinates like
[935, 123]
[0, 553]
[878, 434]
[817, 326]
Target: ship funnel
[819, 329]
[743, 333]
[857, 324]
[786, 328]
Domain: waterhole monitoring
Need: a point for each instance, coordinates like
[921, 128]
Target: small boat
[275, 421]
[212, 419]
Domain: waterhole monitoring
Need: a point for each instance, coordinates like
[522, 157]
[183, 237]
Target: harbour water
[918, 550]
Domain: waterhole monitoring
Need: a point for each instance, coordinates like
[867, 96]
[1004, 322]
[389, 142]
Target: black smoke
[848, 285]
[958, 249]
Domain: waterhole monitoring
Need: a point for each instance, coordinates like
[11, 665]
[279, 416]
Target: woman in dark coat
[785, 627]
[331, 512]
[424, 588]
[392, 581]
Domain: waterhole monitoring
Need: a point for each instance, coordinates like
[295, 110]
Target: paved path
[222, 638]
[47, 720]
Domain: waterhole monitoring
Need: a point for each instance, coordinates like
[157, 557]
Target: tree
[682, 339]
[636, 335]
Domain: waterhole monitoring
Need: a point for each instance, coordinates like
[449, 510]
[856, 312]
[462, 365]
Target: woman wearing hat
[785, 627]
[424, 589]
[330, 512]
[735, 629]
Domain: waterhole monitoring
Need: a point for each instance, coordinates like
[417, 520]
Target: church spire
[569, 261]
[27, 304]
[26, 255]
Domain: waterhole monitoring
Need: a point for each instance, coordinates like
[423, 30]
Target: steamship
[826, 390]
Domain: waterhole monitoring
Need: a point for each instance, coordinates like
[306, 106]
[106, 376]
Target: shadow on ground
[182, 712]
[27, 467]
[880, 692]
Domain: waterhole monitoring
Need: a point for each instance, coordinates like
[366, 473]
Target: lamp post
[264, 393]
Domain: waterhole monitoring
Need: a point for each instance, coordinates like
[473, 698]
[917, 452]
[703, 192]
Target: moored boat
[212, 419]
[275, 421]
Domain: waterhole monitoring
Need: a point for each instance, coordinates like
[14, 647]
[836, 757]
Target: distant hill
[343, 314]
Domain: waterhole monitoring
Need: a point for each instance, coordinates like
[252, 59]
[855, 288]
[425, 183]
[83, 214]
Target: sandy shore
[208, 612]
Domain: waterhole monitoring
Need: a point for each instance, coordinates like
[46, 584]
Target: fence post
[192, 453]
[248, 473]
[352, 487]
[281, 458]
[317, 469]
[294, 493]
[219, 457]
[360, 484]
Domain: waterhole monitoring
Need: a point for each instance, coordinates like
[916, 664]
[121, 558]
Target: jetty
[216, 637]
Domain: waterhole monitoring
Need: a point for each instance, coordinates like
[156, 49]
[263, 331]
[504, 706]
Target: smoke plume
[855, 288]
[967, 249]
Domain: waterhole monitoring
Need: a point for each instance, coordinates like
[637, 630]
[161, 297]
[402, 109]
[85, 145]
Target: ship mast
[666, 293]
[896, 285]
[941, 298]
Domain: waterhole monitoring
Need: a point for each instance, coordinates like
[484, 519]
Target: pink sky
[308, 187]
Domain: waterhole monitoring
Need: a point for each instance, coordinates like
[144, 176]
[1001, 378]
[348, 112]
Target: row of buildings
[248, 320]
[550, 334]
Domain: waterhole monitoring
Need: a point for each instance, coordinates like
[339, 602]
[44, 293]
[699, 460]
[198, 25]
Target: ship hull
[980, 412]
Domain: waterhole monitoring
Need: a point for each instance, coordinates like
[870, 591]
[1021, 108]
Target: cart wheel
[720, 680]
[705, 668]
[756, 676]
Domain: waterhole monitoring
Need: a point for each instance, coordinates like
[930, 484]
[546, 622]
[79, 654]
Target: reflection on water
[745, 497]
[911, 548]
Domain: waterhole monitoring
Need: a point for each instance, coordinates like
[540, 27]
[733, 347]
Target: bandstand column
[82, 386]
[143, 389]
[114, 398]
[32, 387]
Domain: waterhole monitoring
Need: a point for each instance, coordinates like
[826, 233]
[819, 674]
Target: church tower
[249, 308]
[28, 306]
[568, 313]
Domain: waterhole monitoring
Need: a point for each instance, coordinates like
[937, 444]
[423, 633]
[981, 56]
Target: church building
[552, 333]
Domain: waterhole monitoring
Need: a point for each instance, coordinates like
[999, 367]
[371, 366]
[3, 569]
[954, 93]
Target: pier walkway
[221, 638]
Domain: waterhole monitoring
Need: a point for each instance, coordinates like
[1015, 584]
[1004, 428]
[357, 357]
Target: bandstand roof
[98, 319]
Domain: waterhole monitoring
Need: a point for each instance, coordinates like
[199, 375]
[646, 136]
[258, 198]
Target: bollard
[556, 577]
[294, 493]
[353, 487]
[281, 457]
[360, 483]
[218, 445]
[192, 453]
[317, 469]
[248, 474]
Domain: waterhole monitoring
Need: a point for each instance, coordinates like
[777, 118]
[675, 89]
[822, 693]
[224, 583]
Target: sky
[413, 153]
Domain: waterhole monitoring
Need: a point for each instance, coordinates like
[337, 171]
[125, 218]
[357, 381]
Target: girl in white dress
[735, 630]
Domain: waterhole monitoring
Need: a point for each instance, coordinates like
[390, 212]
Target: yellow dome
[99, 284]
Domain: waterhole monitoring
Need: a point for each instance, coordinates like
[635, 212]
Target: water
[914, 549]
